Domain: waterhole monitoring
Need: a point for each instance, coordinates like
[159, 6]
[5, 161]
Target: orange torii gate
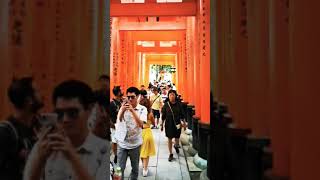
[190, 21]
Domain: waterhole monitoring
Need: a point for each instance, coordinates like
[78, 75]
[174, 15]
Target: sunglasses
[72, 113]
[131, 97]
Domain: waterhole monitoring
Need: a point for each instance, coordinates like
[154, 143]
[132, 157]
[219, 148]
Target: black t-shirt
[14, 149]
[177, 111]
[115, 106]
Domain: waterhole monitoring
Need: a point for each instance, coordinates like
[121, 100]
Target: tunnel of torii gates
[186, 24]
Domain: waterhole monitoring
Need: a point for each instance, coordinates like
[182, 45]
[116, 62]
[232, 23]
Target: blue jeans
[134, 155]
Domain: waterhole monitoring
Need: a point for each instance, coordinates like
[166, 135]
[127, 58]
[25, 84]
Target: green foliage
[158, 68]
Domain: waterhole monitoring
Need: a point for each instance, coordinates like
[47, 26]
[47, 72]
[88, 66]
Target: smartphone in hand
[48, 120]
[125, 101]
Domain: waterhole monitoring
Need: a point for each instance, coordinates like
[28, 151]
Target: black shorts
[171, 131]
[156, 113]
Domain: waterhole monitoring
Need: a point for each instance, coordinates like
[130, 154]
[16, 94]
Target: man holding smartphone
[70, 151]
[132, 116]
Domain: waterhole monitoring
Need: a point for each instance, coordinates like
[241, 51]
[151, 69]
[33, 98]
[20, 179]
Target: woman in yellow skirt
[148, 147]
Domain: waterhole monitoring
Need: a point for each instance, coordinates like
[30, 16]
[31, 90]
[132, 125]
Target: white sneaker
[145, 173]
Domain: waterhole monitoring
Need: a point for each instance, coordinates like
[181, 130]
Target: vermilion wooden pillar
[136, 66]
[5, 64]
[50, 40]
[89, 43]
[305, 87]
[186, 65]
[123, 60]
[130, 61]
[20, 36]
[60, 38]
[43, 48]
[228, 65]
[139, 65]
[258, 90]
[197, 71]
[142, 65]
[77, 17]
[103, 54]
[180, 70]
[228, 96]
[205, 60]
[114, 54]
[188, 59]
[190, 53]
[184, 68]
[239, 63]
[279, 87]
[213, 41]
[223, 80]
[218, 47]
[119, 56]
[126, 54]
[66, 41]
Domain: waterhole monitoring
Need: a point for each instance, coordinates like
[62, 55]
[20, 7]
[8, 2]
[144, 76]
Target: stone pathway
[159, 166]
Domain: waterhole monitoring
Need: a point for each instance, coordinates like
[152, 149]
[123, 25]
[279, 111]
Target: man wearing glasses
[67, 150]
[129, 123]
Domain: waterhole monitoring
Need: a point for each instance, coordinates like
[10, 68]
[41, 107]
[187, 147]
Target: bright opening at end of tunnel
[161, 73]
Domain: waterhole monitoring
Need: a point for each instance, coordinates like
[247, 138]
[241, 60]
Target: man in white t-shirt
[69, 150]
[129, 131]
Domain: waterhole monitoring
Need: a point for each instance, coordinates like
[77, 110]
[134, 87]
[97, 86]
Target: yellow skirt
[148, 147]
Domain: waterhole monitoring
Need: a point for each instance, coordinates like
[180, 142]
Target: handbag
[178, 126]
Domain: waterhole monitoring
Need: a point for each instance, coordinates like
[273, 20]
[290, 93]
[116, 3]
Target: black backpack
[13, 131]
[11, 163]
